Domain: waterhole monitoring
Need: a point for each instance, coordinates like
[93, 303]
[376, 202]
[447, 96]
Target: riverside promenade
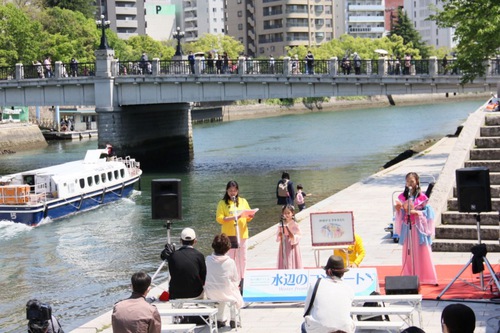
[370, 200]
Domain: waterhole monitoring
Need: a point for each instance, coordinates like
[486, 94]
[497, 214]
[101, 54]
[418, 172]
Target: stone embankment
[19, 136]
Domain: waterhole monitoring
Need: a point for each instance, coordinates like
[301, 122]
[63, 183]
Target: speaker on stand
[166, 203]
[474, 196]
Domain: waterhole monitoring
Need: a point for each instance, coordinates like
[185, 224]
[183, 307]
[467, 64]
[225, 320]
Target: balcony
[366, 8]
[366, 19]
[126, 11]
[126, 24]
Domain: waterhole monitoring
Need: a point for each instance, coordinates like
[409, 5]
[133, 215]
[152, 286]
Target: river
[81, 265]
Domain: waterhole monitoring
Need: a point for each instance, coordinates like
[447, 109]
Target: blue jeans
[303, 328]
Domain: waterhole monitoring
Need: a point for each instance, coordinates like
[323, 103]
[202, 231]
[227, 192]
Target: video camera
[37, 311]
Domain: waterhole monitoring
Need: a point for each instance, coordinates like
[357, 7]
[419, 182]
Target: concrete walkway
[370, 200]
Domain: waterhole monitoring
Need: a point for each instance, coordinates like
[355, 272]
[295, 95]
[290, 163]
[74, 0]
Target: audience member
[413, 329]
[187, 268]
[285, 193]
[222, 283]
[458, 318]
[328, 302]
[135, 314]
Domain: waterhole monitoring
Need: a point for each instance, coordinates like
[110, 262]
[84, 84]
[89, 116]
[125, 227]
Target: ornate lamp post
[178, 35]
[103, 25]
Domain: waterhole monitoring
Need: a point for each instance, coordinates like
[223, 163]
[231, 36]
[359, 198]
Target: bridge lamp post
[178, 34]
[103, 25]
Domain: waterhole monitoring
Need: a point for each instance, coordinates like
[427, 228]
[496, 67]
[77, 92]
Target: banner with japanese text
[291, 285]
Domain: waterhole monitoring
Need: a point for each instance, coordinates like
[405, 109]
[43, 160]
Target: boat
[57, 191]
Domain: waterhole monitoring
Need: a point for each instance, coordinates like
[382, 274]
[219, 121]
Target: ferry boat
[66, 189]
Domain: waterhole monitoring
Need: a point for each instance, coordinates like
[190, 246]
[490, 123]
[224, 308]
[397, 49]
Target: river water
[82, 265]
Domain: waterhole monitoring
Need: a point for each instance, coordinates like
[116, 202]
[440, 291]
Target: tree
[216, 43]
[405, 29]
[86, 7]
[477, 27]
[20, 37]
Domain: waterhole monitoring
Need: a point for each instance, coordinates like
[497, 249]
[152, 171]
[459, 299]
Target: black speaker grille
[473, 190]
[166, 199]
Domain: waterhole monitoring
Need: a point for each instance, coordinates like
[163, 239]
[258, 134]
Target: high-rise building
[418, 12]
[155, 18]
[365, 18]
[202, 17]
[268, 27]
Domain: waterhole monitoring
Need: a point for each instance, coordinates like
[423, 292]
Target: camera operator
[40, 318]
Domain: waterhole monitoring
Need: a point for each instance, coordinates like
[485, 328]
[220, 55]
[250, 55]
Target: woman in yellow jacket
[356, 252]
[232, 204]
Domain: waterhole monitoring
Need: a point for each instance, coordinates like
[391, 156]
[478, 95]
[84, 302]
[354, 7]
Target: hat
[188, 234]
[335, 263]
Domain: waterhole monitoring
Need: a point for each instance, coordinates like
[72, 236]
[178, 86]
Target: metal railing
[242, 66]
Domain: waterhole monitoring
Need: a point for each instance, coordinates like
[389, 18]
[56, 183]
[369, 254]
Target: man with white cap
[187, 268]
[328, 302]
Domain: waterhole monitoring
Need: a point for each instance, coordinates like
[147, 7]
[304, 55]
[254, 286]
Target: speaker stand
[167, 225]
[485, 261]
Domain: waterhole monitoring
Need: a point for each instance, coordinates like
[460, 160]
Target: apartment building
[365, 18]
[202, 17]
[268, 27]
[418, 12]
[155, 18]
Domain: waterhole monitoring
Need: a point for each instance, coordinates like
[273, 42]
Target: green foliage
[86, 7]
[477, 28]
[217, 44]
[19, 40]
[154, 49]
[411, 37]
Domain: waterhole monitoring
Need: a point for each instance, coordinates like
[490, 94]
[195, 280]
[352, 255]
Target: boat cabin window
[89, 180]
[116, 174]
[103, 177]
[97, 179]
[82, 183]
[110, 176]
[122, 173]
[29, 180]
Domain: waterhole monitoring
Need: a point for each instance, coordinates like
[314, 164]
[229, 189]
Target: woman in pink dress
[288, 235]
[415, 227]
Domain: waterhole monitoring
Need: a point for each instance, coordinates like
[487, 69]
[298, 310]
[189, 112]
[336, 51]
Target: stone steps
[458, 231]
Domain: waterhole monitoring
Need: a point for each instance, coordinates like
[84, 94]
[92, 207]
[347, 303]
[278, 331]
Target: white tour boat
[65, 189]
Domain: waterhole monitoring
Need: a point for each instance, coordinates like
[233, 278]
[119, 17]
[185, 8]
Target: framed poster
[332, 228]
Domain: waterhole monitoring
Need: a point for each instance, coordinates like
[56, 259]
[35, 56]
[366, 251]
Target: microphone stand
[236, 226]
[409, 233]
[283, 244]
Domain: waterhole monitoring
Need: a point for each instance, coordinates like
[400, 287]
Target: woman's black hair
[226, 198]
[285, 175]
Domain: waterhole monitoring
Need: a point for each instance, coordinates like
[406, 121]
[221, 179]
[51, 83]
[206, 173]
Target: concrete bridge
[144, 108]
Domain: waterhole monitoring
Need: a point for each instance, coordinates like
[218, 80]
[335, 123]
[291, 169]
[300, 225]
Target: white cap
[188, 234]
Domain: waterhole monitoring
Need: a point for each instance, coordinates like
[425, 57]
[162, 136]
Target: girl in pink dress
[412, 210]
[288, 235]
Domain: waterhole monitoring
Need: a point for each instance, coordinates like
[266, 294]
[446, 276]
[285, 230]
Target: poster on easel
[332, 228]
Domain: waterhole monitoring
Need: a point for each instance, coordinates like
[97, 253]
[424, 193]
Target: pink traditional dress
[417, 259]
[292, 259]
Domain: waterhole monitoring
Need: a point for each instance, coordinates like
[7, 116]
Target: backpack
[299, 197]
[373, 318]
[283, 188]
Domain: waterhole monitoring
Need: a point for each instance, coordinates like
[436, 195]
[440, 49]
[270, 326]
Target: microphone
[233, 198]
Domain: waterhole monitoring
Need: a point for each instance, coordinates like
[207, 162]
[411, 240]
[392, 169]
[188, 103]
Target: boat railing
[132, 165]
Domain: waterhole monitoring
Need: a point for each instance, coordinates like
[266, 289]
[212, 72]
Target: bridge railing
[242, 66]
[7, 72]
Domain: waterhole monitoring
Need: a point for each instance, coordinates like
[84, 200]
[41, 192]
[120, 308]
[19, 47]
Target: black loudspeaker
[166, 199]
[401, 285]
[473, 190]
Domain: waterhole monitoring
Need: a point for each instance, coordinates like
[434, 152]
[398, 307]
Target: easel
[484, 260]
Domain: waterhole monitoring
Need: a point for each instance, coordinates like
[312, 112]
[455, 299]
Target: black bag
[234, 242]
[373, 318]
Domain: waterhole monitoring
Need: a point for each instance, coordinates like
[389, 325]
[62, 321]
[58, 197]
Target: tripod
[283, 244]
[409, 235]
[167, 225]
[483, 260]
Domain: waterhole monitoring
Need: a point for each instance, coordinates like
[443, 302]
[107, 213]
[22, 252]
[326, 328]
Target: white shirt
[331, 310]
[221, 283]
